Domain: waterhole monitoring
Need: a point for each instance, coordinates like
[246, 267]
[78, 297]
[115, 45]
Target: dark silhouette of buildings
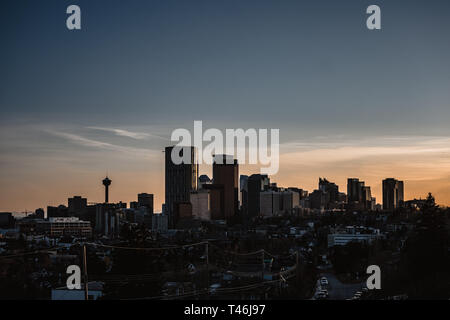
[319, 199]
[243, 186]
[39, 213]
[6, 220]
[217, 204]
[77, 206]
[59, 211]
[332, 191]
[354, 190]
[392, 193]
[146, 200]
[257, 183]
[225, 188]
[180, 180]
[359, 196]
[107, 217]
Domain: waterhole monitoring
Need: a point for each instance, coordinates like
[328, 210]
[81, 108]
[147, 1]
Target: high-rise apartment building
[226, 177]
[180, 179]
[392, 193]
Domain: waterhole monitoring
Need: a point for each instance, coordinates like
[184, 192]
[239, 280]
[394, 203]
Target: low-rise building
[341, 237]
[59, 226]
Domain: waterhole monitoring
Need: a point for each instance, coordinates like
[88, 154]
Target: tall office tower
[353, 190]
[392, 193]
[180, 180]
[146, 200]
[226, 175]
[243, 199]
[256, 184]
[366, 202]
[106, 183]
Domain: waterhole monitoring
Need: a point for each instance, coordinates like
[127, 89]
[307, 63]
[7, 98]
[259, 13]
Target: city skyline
[343, 188]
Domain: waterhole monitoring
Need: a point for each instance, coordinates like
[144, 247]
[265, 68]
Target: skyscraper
[331, 188]
[256, 184]
[359, 196]
[366, 201]
[226, 176]
[392, 193]
[243, 186]
[146, 200]
[180, 180]
[353, 190]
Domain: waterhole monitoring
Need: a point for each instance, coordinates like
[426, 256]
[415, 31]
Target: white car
[214, 287]
[323, 281]
[321, 295]
[325, 292]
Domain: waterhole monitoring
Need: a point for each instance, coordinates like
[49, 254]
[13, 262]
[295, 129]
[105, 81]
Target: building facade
[65, 226]
[392, 194]
[180, 179]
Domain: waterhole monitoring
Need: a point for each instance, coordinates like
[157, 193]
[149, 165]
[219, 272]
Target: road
[338, 290]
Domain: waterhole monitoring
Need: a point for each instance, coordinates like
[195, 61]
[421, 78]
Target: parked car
[325, 292]
[321, 296]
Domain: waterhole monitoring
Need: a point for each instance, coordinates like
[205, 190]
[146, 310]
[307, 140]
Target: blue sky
[309, 68]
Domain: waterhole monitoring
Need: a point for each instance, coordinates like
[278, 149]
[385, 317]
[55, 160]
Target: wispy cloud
[127, 133]
[325, 151]
[100, 144]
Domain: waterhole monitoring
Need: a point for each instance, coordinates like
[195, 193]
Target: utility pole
[262, 262]
[207, 264]
[86, 289]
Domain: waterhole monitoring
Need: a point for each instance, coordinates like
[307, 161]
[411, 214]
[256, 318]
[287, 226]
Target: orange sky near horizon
[53, 190]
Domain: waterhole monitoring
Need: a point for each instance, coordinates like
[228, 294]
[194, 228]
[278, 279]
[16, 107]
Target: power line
[28, 253]
[147, 249]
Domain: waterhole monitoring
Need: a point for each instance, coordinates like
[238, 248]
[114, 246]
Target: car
[323, 291]
[357, 295]
[324, 281]
[321, 296]
[213, 288]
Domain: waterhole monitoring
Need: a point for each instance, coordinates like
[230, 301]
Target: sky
[349, 102]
